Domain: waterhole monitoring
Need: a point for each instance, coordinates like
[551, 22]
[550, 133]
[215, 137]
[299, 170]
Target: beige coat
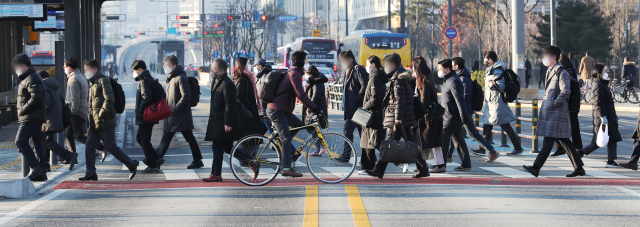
[586, 66]
[77, 94]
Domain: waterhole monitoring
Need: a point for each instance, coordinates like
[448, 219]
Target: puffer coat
[496, 111]
[102, 113]
[371, 138]
[30, 104]
[398, 101]
[553, 120]
[178, 98]
[53, 106]
[77, 95]
[316, 91]
[604, 106]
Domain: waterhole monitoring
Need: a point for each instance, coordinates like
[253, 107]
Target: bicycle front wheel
[633, 96]
[255, 160]
[326, 168]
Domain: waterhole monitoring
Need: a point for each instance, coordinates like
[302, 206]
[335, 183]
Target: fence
[518, 129]
[335, 92]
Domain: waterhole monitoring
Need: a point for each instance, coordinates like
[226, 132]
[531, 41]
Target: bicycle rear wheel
[618, 95]
[633, 96]
[253, 154]
[325, 168]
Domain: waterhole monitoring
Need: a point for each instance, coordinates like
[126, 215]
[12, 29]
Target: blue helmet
[260, 61]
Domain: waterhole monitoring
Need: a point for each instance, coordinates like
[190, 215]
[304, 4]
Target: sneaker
[151, 170]
[460, 168]
[478, 152]
[362, 172]
[439, 169]
[196, 165]
[405, 168]
[515, 153]
[611, 165]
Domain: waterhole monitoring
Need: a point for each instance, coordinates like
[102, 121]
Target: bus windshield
[42, 60]
[319, 47]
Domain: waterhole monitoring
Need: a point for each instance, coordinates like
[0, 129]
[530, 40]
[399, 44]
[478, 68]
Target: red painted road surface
[125, 185]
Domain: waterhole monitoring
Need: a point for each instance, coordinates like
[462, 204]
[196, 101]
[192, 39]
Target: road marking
[181, 174]
[311, 207]
[511, 161]
[141, 166]
[31, 206]
[209, 162]
[360, 218]
[620, 188]
[509, 172]
[598, 173]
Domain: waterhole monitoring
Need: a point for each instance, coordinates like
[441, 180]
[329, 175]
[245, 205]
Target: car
[193, 66]
[281, 69]
[328, 72]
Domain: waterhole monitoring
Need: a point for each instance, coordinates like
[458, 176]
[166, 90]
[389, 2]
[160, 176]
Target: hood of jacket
[404, 76]
[26, 73]
[320, 78]
[265, 70]
[377, 73]
[176, 72]
[629, 63]
[498, 64]
[51, 83]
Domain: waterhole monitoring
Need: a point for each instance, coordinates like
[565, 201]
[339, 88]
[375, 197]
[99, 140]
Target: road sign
[316, 21]
[199, 24]
[209, 24]
[288, 18]
[247, 15]
[171, 30]
[316, 33]
[215, 54]
[256, 15]
[246, 24]
[451, 33]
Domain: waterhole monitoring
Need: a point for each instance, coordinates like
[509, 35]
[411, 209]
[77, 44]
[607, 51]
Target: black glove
[317, 111]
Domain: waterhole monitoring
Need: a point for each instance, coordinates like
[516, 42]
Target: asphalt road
[491, 194]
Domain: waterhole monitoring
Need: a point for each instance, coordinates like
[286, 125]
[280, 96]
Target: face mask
[546, 61]
[18, 72]
[135, 74]
[167, 70]
[441, 74]
[306, 77]
[88, 75]
[487, 63]
[255, 70]
[306, 67]
[66, 71]
[345, 65]
[369, 68]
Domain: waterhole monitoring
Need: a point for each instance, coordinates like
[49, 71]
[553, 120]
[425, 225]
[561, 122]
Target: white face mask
[546, 61]
[255, 70]
[306, 67]
[18, 72]
[88, 75]
[441, 74]
[135, 74]
[369, 68]
[167, 70]
[67, 71]
[306, 77]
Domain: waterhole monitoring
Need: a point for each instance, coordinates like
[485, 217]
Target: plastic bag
[602, 139]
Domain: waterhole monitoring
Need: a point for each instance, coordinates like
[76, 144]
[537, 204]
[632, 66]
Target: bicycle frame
[275, 136]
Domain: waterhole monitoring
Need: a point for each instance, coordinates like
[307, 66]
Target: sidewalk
[620, 107]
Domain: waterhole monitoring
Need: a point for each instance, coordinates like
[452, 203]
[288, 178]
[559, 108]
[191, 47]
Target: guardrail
[518, 129]
[334, 94]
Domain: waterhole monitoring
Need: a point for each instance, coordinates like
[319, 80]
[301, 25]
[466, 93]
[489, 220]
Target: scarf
[252, 78]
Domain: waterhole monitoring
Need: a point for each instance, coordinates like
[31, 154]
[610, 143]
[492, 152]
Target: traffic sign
[247, 15]
[199, 24]
[451, 33]
[215, 54]
[209, 24]
[256, 15]
[316, 33]
[316, 21]
[288, 18]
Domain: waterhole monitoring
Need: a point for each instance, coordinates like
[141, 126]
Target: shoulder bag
[363, 118]
[393, 151]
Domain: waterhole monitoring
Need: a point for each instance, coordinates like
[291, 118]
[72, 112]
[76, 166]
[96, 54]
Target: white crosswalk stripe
[598, 173]
[180, 174]
[509, 172]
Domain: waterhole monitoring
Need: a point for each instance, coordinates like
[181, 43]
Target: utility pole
[552, 19]
[449, 24]
[203, 19]
[389, 14]
[304, 32]
[402, 16]
[346, 18]
[328, 21]
[517, 38]
[627, 36]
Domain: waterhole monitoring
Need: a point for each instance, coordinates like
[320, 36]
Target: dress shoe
[73, 160]
[47, 168]
[195, 165]
[478, 152]
[134, 170]
[515, 153]
[612, 165]
[151, 170]
[160, 162]
[420, 175]
[531, 170]
[460, 168]
[492, 157]
[559, 152]
[343, 160]
[212, 178]
[629, 165]
[41, 177]
[104, 155]
[89, 178]
[439, 169]
[581, 153]
[375, 173]
[577, 172]
[291, 173]
[255, 167]
[449, 160]
[36, 173]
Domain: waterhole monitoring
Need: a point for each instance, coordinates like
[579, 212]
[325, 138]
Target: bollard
[534, 126]
[503, 138]
[476, 119]
[26, 169]
[518, 122]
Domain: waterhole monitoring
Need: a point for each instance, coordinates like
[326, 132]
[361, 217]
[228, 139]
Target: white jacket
[77, 94]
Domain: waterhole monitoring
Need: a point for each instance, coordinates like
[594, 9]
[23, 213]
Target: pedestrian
[586, 66]
[261, 68]
[628, 73]
[527, 71]
[430, 131]
[496, 111]
[246, 92]
[181, 120]
[103, 121]
[604, 113]
[373, 136]
[574, 63]
[53, 103]
[316, 91]
[31, 116]
[145, 96]
[280, 111]
[467, 83]
[633, 162]
[399, 112]
[355, 84]
[110, 71]
[542, 73]
[574, 110]
[77, 98]
[476, 66]
[553, 121]
[224, 125]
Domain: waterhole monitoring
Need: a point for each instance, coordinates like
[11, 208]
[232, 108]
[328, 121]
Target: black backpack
[511, 86]
[574, 96]
[195, 91]
[118, 93]
[158, 91]
[268, 85]
[478, 96]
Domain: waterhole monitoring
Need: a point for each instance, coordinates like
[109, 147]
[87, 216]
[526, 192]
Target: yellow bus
[381, 43]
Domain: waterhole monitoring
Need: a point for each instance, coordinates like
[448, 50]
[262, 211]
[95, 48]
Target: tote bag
[157, 111]
[394, 151]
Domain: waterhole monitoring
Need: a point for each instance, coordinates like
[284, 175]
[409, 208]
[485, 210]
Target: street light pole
[449, 25]
[303, 24]
[517, 38]
[203, 19]
[552, 19]
[389, 14]
[346, 18]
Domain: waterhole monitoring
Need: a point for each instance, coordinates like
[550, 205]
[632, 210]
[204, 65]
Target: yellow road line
[311, 206]
[360, 217]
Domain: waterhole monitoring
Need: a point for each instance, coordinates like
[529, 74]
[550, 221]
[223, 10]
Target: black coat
[453, 101]
[604, 106]
[355, 84]
[543, 72]
[30, 104]
[223, 111]
[316, 91]
[179, 99]
[372, 137]
[144, 97]
[467, 83]
[247, 97]
[430, 132]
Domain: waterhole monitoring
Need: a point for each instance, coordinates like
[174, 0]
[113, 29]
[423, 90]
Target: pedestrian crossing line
[509, 172]
[141, 166]
[511, 161]
[208, 163]
[598, 173]
[359, 213]
[339, 171]
[180, 174]
[628, 191]
[311, 207]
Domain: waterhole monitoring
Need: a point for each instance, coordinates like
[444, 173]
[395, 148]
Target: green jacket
[102, 113]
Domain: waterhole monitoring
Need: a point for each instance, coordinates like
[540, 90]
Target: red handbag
[158, 111]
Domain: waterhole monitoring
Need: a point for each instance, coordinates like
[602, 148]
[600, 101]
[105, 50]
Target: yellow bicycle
[266, 158]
